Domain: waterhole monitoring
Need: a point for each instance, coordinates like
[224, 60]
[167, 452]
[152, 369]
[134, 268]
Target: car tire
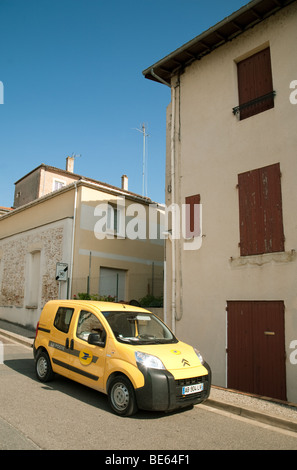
[121, 396]
[43, 367]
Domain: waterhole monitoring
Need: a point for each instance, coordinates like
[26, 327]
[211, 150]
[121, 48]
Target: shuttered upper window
[255, 87]
[260, 211]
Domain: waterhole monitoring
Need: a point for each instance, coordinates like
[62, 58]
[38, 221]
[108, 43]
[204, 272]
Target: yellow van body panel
[115, 365]
[96, 365]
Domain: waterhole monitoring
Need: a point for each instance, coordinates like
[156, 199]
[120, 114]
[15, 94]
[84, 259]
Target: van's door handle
[72, 344]
[67, 343]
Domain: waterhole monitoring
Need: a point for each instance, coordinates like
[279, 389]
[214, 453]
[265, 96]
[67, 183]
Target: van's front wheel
[121, 396]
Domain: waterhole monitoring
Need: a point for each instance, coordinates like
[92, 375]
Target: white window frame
[60, 183]
[115, 221]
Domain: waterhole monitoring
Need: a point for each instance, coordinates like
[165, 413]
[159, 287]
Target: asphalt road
[63, 415]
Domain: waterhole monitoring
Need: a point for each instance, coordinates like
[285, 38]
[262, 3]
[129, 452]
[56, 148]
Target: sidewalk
[266, 410]
[18, 333]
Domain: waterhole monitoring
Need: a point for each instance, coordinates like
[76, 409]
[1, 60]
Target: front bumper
[163, 393]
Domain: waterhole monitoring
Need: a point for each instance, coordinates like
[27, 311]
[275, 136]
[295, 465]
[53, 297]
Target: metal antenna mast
[75, 155]
[144, 177]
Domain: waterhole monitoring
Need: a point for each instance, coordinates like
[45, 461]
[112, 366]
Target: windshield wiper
[127, 339]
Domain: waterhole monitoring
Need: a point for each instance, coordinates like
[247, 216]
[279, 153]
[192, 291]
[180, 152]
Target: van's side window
[63, 319]
[89, 323]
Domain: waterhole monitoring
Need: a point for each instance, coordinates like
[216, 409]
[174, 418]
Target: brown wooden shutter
[260, 211]
[255, 83]
[192, 225]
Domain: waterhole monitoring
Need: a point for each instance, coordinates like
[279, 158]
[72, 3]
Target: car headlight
[149, 361]
[199, 355]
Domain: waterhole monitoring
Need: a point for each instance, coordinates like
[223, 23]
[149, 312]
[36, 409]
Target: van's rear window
[63, 319]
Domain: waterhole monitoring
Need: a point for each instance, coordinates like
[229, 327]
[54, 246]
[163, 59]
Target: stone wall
[15, 275]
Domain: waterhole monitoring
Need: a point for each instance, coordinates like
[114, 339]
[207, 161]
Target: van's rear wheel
[121, 396]
[43, 367]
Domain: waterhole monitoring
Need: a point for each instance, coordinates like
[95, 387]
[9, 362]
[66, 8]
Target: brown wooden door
[256, 348]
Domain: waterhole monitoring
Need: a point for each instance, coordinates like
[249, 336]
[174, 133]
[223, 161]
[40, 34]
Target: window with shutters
[255, 87]
[192, 217]
[260, 211]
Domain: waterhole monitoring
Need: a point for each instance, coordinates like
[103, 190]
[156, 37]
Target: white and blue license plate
[187, 390]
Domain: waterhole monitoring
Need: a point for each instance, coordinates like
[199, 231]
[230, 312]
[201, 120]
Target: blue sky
[73, 84]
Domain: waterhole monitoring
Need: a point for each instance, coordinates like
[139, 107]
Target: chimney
[70, 164]
[125, 182]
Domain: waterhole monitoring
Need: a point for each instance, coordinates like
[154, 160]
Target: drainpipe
[165, 290]
[72, 242]
[172, 172]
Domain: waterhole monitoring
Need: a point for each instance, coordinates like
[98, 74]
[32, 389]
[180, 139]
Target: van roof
[103, 306]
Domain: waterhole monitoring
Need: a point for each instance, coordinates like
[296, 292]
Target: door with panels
[256, 347]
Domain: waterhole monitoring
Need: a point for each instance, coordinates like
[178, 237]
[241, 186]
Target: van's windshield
[139, 328]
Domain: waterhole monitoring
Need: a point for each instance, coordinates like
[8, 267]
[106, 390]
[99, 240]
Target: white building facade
[231, 147]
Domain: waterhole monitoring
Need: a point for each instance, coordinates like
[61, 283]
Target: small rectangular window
[63, 319]
[112, 219]
[115, 222]
[58, 184]
[192, 216]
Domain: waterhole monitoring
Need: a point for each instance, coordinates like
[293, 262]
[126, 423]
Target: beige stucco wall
[36, 228]
[140, 259]
[27, 189]
[38, 183]
[47, 178]
[211, 148]
[60, 228]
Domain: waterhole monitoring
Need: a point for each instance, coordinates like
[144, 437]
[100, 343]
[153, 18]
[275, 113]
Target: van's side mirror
[95, 338]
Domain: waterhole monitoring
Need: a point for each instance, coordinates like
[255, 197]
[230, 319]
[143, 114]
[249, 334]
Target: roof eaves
[75, 176]
[224, 31]
[82, 182]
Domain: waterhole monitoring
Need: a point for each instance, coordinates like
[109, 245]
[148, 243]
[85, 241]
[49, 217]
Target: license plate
[192, 389]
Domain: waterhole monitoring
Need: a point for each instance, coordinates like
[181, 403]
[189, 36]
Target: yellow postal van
[125, 352]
